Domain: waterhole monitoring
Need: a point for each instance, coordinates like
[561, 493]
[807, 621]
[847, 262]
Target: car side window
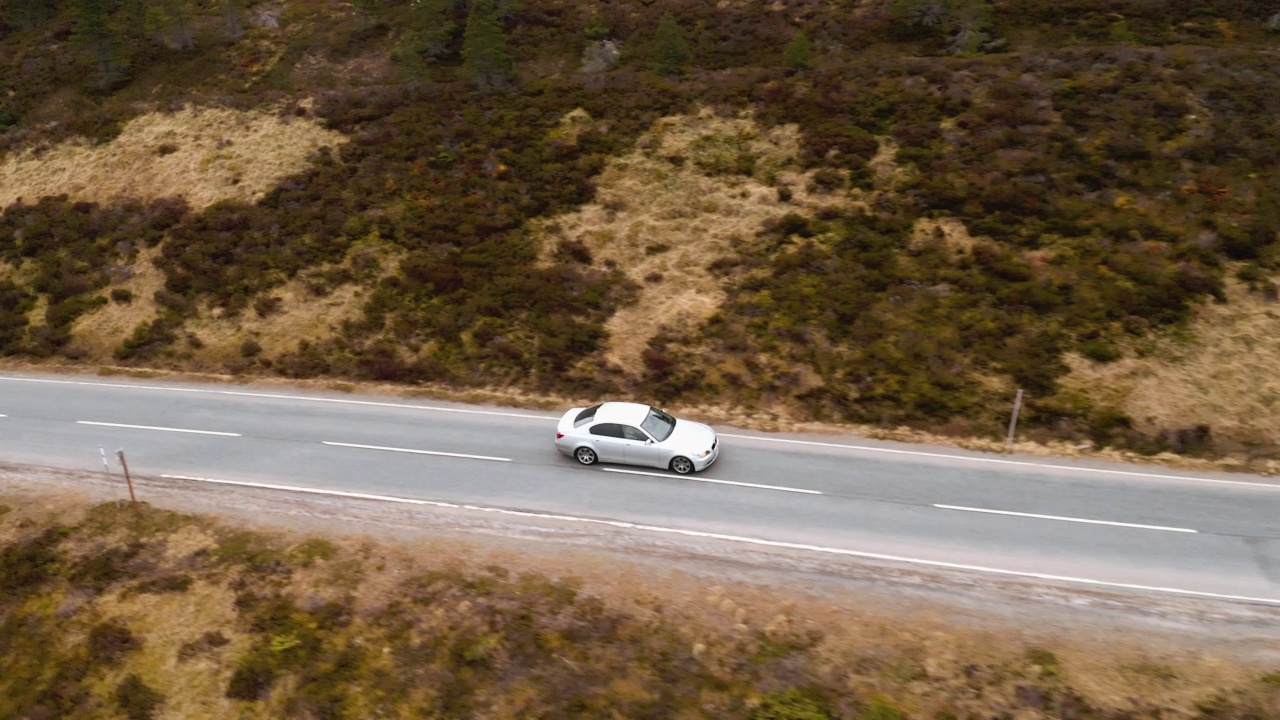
[632, 433]
[613, 430]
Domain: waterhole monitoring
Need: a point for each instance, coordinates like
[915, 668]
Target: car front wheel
[585, 455]
[682, 465]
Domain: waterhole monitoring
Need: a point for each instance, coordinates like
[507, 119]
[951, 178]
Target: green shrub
[109, 642]
[136, 699]
[1044, 659]
[25, 566]
[792, 704]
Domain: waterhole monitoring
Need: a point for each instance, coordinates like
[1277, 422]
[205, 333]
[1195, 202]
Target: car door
[640, 448]
[607, 439]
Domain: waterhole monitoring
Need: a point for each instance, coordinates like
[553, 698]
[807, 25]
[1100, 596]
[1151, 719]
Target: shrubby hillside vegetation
[117, 612]
[889, 212]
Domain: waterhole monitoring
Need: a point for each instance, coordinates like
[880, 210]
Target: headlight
[703, 454]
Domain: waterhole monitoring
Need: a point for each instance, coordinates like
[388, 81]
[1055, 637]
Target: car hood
[690, 437]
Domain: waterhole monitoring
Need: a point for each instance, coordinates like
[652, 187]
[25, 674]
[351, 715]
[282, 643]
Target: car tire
[585, 455]
[681, 465]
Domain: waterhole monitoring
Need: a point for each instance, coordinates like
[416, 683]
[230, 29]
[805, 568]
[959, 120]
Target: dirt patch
[202, 154]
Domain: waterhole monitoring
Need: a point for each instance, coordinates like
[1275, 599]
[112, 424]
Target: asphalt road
[1087, 523]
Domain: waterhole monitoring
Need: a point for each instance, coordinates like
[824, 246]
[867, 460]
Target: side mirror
[648, 441]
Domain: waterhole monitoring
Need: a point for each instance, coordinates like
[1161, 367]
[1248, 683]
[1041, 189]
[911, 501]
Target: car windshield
[659, 424]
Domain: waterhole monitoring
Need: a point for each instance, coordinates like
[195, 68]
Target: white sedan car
[635, 434]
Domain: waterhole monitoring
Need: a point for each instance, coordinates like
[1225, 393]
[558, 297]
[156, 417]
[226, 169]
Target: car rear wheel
[681, 465]
[585, 455]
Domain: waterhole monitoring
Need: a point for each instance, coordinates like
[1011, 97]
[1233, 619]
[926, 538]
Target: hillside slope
[886, 213]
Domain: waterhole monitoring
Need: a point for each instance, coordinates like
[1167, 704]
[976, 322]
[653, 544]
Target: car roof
[622, 412]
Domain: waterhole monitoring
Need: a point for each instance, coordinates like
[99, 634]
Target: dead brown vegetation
[203, 154]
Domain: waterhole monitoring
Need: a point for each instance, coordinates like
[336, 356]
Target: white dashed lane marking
[416, 452]
[160, 429]
[670, 476]
[1067, 519]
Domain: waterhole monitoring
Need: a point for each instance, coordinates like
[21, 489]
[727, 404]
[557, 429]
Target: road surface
[1088, 523]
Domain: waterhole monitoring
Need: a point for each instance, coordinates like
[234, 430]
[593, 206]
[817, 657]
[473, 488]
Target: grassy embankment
[107, 611]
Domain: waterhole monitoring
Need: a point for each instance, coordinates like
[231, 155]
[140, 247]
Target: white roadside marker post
[1013, 422]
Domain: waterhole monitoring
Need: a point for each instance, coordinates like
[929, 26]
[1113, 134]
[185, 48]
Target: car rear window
[586, 415]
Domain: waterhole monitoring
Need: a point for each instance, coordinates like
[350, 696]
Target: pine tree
[485, 58]
[132, 16]
[28, 14]
[432, 36]
[96, 37]
[670, 49]
[798, 54]
[173, 18]
[596, 30]
[233, 17]
[372, 13]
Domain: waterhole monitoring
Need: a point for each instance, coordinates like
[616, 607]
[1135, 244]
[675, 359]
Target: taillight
[559, 435]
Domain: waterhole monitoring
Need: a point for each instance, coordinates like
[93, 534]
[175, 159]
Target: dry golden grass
[663, 221]
[100, 331]
[193, 687]
[888, 174]
[1223, 372]
[202, 154]
[302, 316]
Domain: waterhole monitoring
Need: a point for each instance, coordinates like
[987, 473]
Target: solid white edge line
[415, 452]
[1067, 519]
[161, 429]
[998, 461]
[709, 480]
[748, 540]
[280, 396]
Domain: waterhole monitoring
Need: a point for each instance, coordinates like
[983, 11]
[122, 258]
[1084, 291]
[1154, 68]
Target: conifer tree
[372, 13]
[670, 49]
[432, 36]
[28, 14]
[798, 54]
[233, 18]
[485, 57]
[96, 37]
[173, 18]
[132, 17]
